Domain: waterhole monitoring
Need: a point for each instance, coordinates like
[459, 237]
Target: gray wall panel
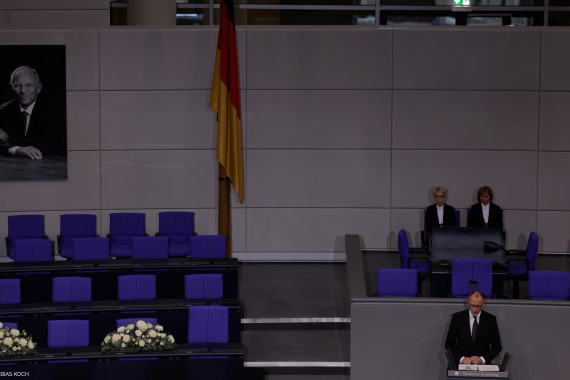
[554, 181]
[54, 18]
[412, 220]
[467, 119]
[158, 179]
[321, 119]
[519, 224]
[476, 59]
[51, 223]
[318, 178]
[161, 59]
[554, 75]
[81, 52]
[311, 229]
[83, 120]
[81, 190]
[163, 120]
[319, 59]
[554, 116]
[54, 4]
[416, 172]
[530, 344]
[552, 229]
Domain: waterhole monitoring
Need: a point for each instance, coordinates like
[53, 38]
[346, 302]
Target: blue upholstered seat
[148, 247]
[208, 324]
[397, 283]
[68, 333]
[549, 285]
[466, 270]
[178, 226]
[71, 289]
[203, 286]
[123, 227]
[137, 287]
[208, 246]
[10, 291]
[22, 227]
[74, 226]
[95, 248]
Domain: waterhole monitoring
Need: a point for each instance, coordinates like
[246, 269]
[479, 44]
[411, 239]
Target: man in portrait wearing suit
[29, 125]
[473, 336]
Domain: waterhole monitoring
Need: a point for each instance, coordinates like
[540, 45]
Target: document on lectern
[479, 367]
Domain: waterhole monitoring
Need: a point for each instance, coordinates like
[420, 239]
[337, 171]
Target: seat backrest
[208, 246]
[10, 291]
[68, 333]
[26, 227]
[150, 247]
[458, 217]
[532, 250]
[549, 285]
[397, 282]
[403, 249]
[137, 287]
[11, 325]
[208, 324]
[176, 223]
[77, 225]
[31, 250]
[466, 270]
[127, 224]
[203, 286]
[90, 248]
[128, 321]
[71, 289]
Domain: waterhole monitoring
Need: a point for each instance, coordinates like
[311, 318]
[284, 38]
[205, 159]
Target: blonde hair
[440, 189]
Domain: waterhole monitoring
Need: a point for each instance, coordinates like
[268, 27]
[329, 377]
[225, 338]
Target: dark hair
[480, 295]
[483, 190]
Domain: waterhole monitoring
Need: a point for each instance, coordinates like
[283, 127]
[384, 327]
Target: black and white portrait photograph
[33, 130]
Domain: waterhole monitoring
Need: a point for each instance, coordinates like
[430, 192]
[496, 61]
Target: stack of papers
[479, 367]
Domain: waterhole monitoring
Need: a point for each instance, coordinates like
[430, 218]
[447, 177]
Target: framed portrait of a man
[33, 116]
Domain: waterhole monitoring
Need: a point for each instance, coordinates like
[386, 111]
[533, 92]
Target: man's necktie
[24, 122]
[474, 329]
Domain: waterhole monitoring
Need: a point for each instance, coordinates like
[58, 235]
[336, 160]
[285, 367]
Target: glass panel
[558, 18]
[494, 3]
[420, 20]
[294, 17]
[192, 16]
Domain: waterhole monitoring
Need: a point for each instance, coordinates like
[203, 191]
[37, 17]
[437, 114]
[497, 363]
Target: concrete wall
[54, 13]
[345, 130]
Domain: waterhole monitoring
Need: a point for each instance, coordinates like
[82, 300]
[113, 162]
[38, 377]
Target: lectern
[456, 374]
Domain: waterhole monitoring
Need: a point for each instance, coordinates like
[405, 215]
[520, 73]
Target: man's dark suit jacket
[46, 130]
[432, 219]
[487, 342]
[476, 216]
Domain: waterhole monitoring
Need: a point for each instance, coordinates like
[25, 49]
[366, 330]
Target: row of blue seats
[542, 285]
[206, 324]
[132, 287]
[78, 240]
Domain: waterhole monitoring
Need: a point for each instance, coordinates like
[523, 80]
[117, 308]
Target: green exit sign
[465, 3]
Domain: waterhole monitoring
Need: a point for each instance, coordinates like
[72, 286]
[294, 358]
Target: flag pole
[224, 215]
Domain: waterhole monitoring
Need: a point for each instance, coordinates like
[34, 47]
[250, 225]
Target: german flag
[224, 99]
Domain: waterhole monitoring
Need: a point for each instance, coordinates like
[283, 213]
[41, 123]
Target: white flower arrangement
[140, 336]
[15, 342]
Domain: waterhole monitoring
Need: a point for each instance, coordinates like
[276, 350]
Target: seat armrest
[45, 237]
[7, 246]
[58, 244]
[515, 252]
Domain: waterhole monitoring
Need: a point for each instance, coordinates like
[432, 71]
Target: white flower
[141, 343]
[163, 335]
[123, 345]
[162, 343]
[1, 334]
[127, 338]
[31, 345]
[158, 328]
[138, 333]
[107, 339]
[148, 341]
[8, 342]
[152, 333]
[121, 329]
[15, 332]
[116, 337]
[149, 326]
[171, 338]
[23, 342]
[18, 348]
[1, 325]
[130, 326]
[141, 325]
[14, 348]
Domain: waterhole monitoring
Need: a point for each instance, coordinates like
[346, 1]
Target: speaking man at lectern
[473, 336]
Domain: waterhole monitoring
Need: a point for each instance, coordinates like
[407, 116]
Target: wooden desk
[15, 168]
